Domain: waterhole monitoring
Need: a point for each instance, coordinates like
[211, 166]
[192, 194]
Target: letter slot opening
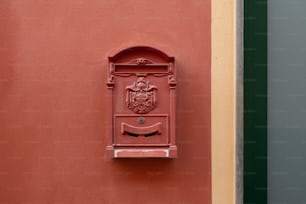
[141, 131]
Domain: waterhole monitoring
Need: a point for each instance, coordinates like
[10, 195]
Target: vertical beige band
[223, 101]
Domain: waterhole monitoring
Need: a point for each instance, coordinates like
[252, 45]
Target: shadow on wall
[8, 25]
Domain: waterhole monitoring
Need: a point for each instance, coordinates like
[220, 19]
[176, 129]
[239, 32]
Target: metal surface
[239, 102]
[287, 102]
[142, 83]
[255, 101]
[141, 120]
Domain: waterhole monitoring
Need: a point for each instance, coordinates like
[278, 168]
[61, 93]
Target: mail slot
[141, 97]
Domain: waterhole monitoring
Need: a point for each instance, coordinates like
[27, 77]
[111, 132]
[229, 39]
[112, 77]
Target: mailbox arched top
[144, 52]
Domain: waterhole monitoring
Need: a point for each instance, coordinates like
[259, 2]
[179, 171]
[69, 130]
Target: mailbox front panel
[148, 130]
[142, 88]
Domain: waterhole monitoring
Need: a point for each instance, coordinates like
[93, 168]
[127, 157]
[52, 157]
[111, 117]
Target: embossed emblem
[141, 96]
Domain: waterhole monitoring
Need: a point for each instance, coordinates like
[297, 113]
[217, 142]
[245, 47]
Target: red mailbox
[141, 83]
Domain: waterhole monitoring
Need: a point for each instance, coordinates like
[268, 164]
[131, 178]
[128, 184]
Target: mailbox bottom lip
[154, 152]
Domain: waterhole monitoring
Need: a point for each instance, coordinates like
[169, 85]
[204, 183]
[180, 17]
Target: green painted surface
[255, 102]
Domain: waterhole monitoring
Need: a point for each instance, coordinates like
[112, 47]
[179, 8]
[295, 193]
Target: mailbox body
[141, 86]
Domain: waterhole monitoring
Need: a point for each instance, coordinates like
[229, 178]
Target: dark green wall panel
[255, 102]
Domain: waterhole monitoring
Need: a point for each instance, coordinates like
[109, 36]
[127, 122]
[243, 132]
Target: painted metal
[141, 83]
[255, 102]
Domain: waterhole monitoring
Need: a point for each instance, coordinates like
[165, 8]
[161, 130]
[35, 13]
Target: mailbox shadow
[143, 163]
[138, 170]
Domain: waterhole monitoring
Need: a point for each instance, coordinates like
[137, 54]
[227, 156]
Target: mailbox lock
[141, 120]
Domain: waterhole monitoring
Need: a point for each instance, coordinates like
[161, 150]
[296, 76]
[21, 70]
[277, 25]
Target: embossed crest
[141, 96]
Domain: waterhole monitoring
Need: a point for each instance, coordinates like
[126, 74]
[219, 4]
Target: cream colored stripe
[223, 101]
